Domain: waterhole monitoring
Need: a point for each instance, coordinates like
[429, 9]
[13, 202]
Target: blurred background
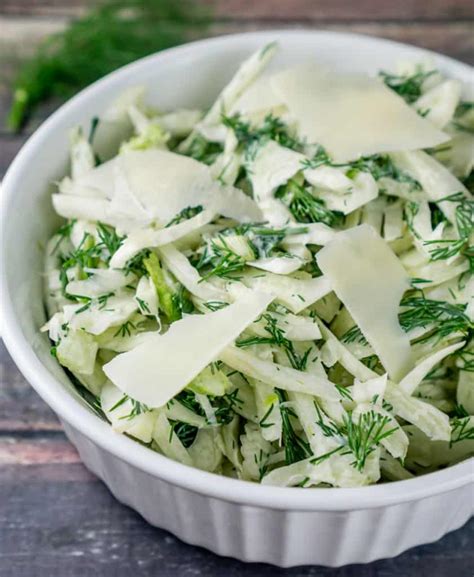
[445, 26]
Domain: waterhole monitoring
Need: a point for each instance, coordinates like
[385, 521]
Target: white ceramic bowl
[284, 526]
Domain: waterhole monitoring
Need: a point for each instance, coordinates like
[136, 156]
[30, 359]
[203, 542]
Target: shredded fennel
[237, 298]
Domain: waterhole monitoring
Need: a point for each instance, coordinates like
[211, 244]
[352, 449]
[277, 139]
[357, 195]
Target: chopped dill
[306, 207]
[409, 87]
[296, 448]
[185, 214]
[277, 337]
[443, 318]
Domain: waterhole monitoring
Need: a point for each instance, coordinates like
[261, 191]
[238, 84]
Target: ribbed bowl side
[283, 538]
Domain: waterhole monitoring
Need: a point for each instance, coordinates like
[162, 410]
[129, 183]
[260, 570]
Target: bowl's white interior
[190, 76]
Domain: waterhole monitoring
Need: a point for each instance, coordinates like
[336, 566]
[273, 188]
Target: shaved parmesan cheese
[145, 185]
[370, 281]
[351, 116]
[157, 370]
[165, 183]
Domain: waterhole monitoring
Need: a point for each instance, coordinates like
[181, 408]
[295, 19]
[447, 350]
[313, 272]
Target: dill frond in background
[111, 34]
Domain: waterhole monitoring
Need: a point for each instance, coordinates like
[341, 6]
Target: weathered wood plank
[75, 528]
[21, 409]
[276, 10]
[453, 39]
[21, 35]
[40, 449]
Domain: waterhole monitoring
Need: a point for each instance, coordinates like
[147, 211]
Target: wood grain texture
[278, 10]
[68, 525]
[56, 518]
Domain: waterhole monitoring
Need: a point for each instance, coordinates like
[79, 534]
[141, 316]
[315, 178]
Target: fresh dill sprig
[465, 360]
[263, 421]
[277, 337]
[64, 232]
[109, 239]
[126, 329]
[251, 138]
[447, 318]
[101, 302]
[409, 87]
[144, 308]
[224, 262]
[188, 400]
[224, 406]
[215, 305]
[444, 249]
[137, 407]
[185, 432]
[86, 255]
[185, 214]
[459, 411]
[109, 35]
[305, 207]
[359, 438]
[378, 165]
[203, 150]
[364, 435]
[442, 317]
[296, 448]
[264, 240]
[463, 108]
[136, 264]
[461, 430]
[89, 253]
[325, 456]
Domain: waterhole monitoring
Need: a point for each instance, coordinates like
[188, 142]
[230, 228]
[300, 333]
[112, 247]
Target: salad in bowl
[280, 288]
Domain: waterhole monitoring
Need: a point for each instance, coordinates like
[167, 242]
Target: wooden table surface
[57, 519]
